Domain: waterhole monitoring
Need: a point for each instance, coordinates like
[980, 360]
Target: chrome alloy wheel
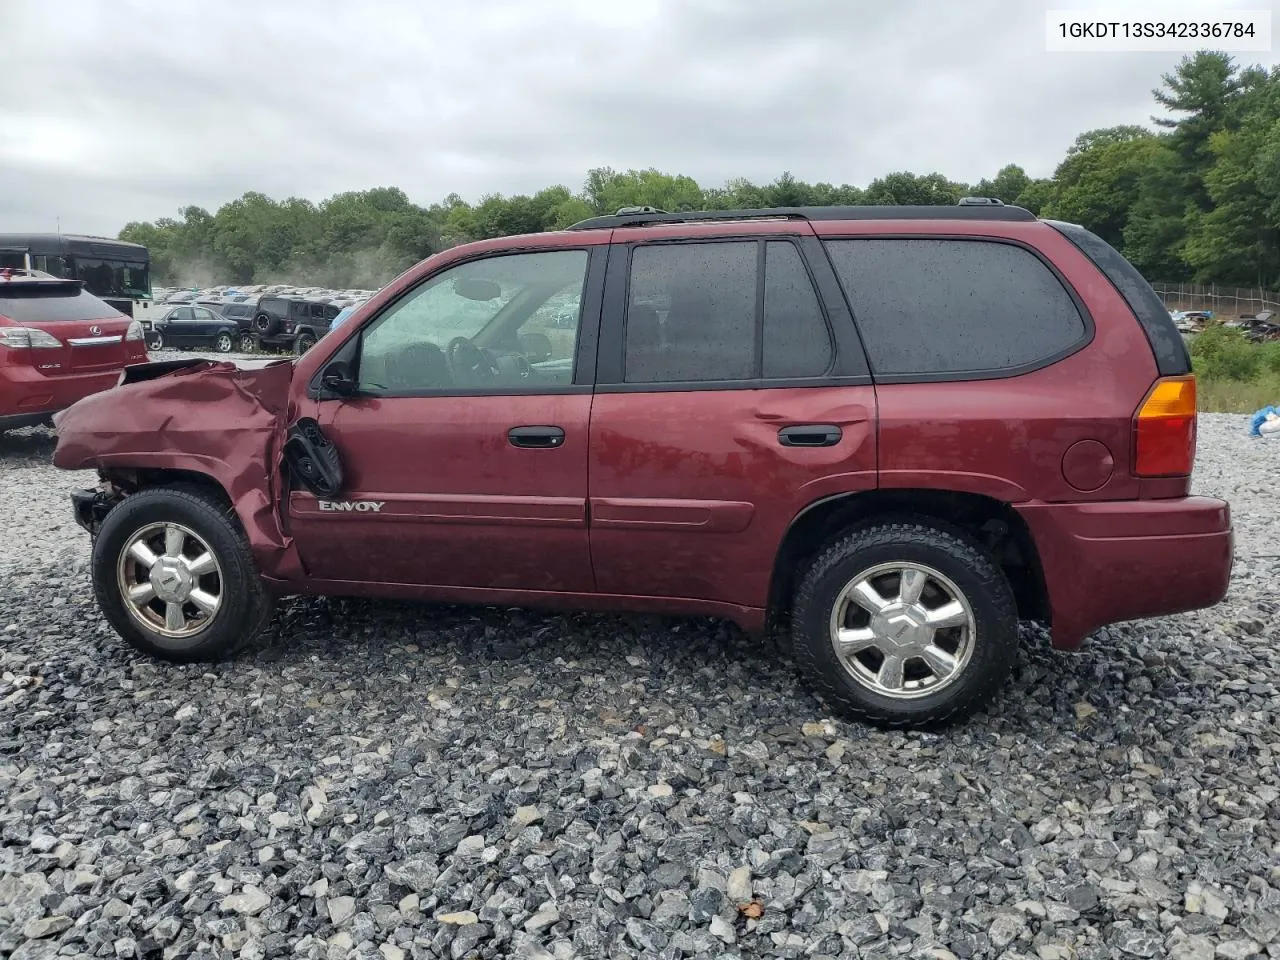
[902, 630]
[170, 580]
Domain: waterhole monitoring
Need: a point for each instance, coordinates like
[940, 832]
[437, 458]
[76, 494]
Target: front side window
[954, 306]
[480, 325]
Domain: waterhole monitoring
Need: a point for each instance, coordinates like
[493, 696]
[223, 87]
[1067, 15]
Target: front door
[465, 447]
[177, 331]
[730, 396]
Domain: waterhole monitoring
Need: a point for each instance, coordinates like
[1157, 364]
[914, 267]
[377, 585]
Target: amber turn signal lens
[1165, 429]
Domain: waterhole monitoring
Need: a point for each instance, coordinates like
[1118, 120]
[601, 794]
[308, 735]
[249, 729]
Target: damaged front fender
[213, 418]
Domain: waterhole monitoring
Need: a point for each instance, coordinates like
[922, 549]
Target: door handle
[536, 437]
[810, 435]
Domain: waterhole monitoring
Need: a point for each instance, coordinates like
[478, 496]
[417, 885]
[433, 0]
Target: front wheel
[173, 574]
[247, 343]
[224, 343]
[905, 625]
[303, 343]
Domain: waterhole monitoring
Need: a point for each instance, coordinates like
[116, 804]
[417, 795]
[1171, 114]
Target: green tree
[1008, 185]
[911, 189]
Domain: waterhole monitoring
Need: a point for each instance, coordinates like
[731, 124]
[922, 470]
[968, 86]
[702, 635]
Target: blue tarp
[1259, 419]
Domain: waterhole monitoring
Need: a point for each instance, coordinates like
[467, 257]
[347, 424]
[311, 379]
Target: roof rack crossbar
[961, 211]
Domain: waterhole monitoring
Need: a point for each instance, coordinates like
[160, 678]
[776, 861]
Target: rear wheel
[905, 625]
[155, 341]
[173, 574]
[224, 343]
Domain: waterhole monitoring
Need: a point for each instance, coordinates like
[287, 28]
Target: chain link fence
[1224, 301]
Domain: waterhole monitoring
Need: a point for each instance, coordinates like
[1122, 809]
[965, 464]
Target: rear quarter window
[1170, 350]
[53, 305]
[950, 308]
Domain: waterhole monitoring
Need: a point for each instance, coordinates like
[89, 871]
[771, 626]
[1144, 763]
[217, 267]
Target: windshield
[113, 278]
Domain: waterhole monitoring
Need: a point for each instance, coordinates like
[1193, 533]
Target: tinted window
[113, 278]
[465, 328]
[691, 312]
[46, 306]
[797, 342]
[182, 315]
[954, 306]
[1172, 358]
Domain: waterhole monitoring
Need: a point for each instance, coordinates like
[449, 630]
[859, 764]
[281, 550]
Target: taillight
[135, 332]
[20, 338]
[1165, 429]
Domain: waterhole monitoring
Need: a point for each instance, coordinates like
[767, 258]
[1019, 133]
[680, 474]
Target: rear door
[177, 331]
[206, 326]
[464, 452]
[732, 393]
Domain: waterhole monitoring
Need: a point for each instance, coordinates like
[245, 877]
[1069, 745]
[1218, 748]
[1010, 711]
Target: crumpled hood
[203, 416]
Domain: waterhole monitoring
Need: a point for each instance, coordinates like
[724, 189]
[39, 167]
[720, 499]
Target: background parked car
[194, 326]
[58, 344]
[292, 323]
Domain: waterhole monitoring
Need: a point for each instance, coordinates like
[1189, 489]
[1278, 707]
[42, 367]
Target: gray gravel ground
[387, 781]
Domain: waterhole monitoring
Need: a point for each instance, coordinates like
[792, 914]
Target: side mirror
[337, 378]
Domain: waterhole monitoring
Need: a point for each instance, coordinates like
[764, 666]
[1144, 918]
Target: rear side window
[691, 314]
[796, 340]
[50, 305]
[697, 312]
[946, 307]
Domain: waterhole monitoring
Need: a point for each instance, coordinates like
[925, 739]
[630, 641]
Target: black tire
[155, 340]
[303, 342]
[224, 343]
[248, 343]
[992, 644]
[245, 606]
[266, 324]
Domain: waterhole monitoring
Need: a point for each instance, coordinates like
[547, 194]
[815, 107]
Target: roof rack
[969, 208]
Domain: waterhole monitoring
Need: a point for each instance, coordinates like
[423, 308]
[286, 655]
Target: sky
[121, 110]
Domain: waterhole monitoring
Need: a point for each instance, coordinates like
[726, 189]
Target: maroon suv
[888, 431]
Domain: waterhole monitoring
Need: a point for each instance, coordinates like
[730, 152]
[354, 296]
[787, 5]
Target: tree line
[1194, 198]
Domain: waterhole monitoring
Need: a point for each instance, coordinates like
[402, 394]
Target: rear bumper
[1128, 560]
[26, 397]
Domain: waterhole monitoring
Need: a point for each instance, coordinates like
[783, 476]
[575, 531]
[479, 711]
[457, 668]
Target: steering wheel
[511, 368]
[468, 362]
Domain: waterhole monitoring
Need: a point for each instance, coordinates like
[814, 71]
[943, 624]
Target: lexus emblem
[95, 331]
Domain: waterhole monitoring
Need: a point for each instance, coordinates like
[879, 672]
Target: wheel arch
[130, 480]
[992, 523]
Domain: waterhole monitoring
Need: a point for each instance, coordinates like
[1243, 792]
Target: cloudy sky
[118, 110]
